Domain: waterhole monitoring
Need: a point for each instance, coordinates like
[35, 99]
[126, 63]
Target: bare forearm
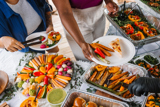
[48, 19]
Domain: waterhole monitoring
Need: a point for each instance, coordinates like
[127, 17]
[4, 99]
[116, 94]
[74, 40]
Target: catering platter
[99, 100]
[150, 62]
[46, 71]
[151, 101]
[51, 40]
[114, 59]
[111, 83]
[150, 6]
[137, 33]
[3, 81]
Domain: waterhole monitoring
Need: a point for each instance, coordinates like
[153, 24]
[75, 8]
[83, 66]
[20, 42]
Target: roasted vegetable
[100, 75]
[118, 76]
[99, 52]
[114, 69]
[134, 18]
[141, 25]
[128, 28]
[137, 36]
[100, 67]
[142, 63]
[93, 76]
[151, 59]
[104, 47]
[150, 31]
[104, 77]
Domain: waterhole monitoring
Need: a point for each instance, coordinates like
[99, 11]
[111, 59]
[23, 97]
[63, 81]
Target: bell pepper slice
[52, 70]
[39, 79]
[141, 25]
[59, 62]
[100, 67]
[58, 58]
[38, 74]
[50, 65]
[68, 59]
[137, 36]
[28, 68]
[99, 52]
[134, 18]
[150, 31]
[46, 80]
[23, 76]
[128, 29]
[42, 69]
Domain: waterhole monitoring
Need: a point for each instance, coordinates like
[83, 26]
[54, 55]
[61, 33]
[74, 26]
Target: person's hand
[112, 7]
[49, 28]
[11, 44]
[86, 49]
[144, 84]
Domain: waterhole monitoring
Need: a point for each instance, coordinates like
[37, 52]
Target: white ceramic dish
[128, 51]
[37, 47]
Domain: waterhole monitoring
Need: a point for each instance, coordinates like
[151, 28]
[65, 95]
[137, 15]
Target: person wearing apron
[84, 21]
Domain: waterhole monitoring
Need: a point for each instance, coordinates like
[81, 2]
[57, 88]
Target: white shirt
[29, 16]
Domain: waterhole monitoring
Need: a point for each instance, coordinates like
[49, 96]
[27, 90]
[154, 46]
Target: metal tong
[25, 43]
[123, 16]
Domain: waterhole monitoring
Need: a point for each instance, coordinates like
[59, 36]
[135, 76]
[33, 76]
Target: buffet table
[9, 63]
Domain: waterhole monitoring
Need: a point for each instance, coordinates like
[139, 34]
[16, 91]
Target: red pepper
[52, 34]
[46, 80]
[50, 65]
[42, 38]
[99, 52]
[38, 73]
[150, 69]
[140, 27]
[27, 68]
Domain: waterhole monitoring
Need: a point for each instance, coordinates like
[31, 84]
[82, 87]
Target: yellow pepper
[114, 69]
[59, 62]
[134, 18]
[52, 70]
[137, 36]
[42, 69]
[150, 97]
[58, 37]
[49, 87]
[23, 76]
[40, 79]
[100, 67]
[51, 38]
[30, 64]
[26, 71]
[50, 58]
[150, 32]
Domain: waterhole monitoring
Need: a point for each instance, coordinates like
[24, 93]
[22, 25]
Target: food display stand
[149, 45]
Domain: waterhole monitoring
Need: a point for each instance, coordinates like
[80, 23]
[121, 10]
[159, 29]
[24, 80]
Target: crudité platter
[45, 71]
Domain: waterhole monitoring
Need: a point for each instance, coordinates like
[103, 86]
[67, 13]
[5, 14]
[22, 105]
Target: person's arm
[144, 84]
[111, 6]
[9, 42]
[49, 22]
[70, 24]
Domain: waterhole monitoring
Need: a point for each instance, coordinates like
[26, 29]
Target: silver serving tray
[151, 19]
[145, 100]
[141, 57]
[148, 8]
[99, 100]
[132, 69]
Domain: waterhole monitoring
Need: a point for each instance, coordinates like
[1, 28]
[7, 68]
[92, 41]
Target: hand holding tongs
[25, 43]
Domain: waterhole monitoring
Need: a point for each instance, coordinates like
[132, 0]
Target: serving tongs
[25, 43]
[123, 16]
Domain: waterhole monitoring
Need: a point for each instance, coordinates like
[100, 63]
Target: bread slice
[115, 45]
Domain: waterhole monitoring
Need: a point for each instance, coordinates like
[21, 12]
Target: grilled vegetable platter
[152, 101]
[44, 71]
[135, 25]
[150, 63]
[112, 79]
[154, 4]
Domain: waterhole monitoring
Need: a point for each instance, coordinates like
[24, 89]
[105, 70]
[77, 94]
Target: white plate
[37, 47]
[128, 51]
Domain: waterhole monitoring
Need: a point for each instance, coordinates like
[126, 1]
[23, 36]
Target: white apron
[91, 22]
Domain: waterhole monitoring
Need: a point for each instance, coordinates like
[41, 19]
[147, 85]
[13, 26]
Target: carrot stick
[104, 47]
[56, 83]
[116, 87]
[106, 74]
[61, 81]
[121, 79]
[125, 94]
[100, 74]
[132, 79]
[64, 77]
[103, 50]
[40, 59]
[93, 76]
[118, 76]
[35, 62]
